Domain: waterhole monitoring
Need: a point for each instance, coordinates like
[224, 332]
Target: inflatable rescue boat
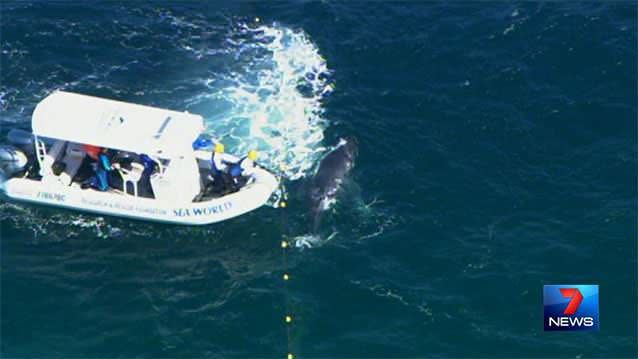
[51, 165]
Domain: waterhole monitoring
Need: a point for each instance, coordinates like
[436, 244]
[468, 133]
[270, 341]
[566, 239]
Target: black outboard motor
[13, 161]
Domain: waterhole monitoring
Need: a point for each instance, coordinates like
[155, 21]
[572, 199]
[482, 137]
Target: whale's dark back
[336, 165]
[333, 168]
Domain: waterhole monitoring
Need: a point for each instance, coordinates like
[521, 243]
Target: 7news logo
[571, 307]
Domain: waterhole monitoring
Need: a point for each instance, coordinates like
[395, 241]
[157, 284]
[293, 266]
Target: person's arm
[104, 159]
[248, 167]
[219, 163]
[225, 159]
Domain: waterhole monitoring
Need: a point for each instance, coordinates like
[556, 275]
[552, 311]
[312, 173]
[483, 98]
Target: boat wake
[270, 97]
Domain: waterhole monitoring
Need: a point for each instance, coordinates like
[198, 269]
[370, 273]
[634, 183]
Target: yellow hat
[219, 148]
[252, 155]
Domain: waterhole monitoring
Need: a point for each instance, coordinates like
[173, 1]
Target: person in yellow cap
[217, 163]
[248, 163]
[219, 170]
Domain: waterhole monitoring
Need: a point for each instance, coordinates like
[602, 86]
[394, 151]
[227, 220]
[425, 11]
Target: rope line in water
[285, 245]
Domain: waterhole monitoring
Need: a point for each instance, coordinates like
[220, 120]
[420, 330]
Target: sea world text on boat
[186, 212]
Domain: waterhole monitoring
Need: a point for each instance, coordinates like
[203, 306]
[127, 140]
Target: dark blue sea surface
[498, 153]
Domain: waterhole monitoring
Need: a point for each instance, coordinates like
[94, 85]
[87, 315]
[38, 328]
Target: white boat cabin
[72, 120]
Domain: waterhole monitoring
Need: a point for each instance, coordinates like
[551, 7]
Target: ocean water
[498, 153]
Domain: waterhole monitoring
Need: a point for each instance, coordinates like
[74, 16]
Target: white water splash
[273, 101]
[311, 240]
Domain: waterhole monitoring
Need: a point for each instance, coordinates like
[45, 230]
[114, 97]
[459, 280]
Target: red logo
[576, 297]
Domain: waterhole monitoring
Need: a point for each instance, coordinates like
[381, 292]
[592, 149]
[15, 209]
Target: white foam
[311, 240]
[271, 98]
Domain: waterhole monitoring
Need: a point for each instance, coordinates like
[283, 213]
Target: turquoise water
[497, 154]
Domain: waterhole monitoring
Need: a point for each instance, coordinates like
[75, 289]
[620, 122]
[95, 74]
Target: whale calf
[333, 169]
